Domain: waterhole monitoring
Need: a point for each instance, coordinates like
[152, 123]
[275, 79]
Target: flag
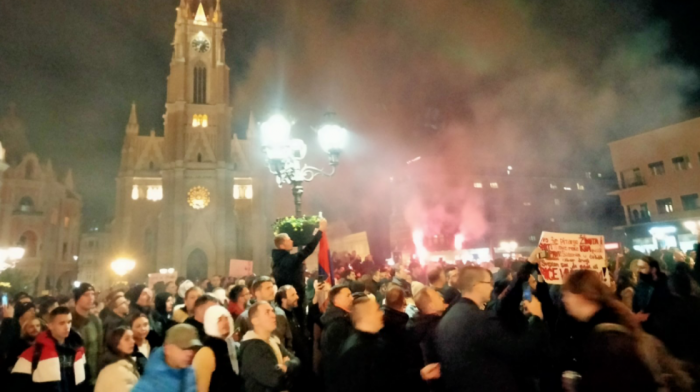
[324, 260]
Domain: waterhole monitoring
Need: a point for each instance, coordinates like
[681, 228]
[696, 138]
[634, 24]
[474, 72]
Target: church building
[197, 197]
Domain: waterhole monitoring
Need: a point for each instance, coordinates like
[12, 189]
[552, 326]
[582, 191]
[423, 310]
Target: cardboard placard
[569, 252]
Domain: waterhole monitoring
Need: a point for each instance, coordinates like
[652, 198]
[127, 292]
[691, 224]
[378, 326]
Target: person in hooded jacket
[186, 310]
[162, 316]
[336, 328]
[119, 371]
[216, 364]
[266, 365]
[288, 268]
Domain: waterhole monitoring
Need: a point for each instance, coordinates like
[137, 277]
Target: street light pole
[284, 155]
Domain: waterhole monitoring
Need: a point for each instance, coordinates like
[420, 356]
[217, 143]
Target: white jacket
[121, 376]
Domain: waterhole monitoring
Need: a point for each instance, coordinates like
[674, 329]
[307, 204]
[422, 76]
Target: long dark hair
[112, 354]
[588, 284]
[624, 281]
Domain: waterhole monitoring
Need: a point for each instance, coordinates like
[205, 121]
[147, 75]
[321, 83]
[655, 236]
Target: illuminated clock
[200, 43]
[198, 197]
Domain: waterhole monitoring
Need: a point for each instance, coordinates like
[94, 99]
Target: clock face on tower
[198, 197]
[201, 44]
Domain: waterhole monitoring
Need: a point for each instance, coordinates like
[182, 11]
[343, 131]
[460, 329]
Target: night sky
[545, 83]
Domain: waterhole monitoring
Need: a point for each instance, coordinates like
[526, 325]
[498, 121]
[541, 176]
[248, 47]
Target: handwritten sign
[569, 252]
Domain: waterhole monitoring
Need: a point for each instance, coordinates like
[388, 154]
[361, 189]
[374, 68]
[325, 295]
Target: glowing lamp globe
[332, 138]
[275, 131]
[15, 253]
[122, 267]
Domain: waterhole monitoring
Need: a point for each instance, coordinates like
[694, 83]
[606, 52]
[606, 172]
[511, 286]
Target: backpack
[668, 371]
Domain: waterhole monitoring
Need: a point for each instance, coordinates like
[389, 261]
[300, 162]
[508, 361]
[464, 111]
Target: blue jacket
[161, 377]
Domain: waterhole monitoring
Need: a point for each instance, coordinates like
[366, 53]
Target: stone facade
[39, 211]
[192, 199]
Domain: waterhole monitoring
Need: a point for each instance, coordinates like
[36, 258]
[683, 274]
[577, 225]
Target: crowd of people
[435, 327]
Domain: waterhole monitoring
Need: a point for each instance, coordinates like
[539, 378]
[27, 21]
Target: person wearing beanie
[11, 328]
[89, 327]
[141, 302]
[215, 364]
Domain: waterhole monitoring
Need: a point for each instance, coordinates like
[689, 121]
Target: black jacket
[336, 328]
[112, 321]
[366, 366]
[224, 378]
[608, 360]
[479, 353]
[259, 367]
[199, 326]
[289, 268]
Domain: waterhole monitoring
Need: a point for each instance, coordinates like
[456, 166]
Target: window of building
[135, 192]
[527, 204]
[154, 193]
[200, 83]
[631, 178]
[29, 241]
[557, 202]
[494, 185]
[664, 206]
[26, 204]
[681, 163]
[478, 185]
[690, 202]
[580, 187]
[657, 168]
[588, 175]
[553, 186]
[567, 188]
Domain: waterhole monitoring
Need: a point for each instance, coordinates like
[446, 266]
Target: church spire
[200, 18]
[218, 17]
[132, 128]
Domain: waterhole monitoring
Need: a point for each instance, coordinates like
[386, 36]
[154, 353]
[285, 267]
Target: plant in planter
[300, 230]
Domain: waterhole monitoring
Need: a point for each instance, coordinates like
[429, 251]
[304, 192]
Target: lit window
[527, 204]
[580, 187]
[135, 192]
[154, 193]
[200, 120]
[205, 121]
[567, 188]
[681, 163]
[478, 185]
[494, 185]
[664, 206]
[553, 186]
[236, 192]
[249, 192]
[657, 168]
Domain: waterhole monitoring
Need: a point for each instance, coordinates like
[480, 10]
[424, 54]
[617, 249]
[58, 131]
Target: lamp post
[284, 155]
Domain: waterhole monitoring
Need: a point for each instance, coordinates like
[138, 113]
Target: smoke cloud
[471, 85]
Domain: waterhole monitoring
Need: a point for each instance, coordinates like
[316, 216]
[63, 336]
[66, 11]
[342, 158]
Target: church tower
[190, 200]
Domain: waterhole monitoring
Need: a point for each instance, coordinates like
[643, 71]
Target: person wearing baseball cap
[170, 367]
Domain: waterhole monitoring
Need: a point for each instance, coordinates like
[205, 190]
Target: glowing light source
[459, 241]
[661, 231]
[198, 197]
[692, 226]
[76, 284]
[332, 138]
[15, 253]
[200, 18]
[154, 193]
[135, 192]
[123, 266]
[167, 270]
[275, 131]
[421, 251]
[612, 246]
[478, 185]
[248, 192]
[494, 185]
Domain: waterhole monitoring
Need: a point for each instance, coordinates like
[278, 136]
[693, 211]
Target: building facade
[40, 211]
[659, 184]
[94, 258]
[196, 197]
[477, 217]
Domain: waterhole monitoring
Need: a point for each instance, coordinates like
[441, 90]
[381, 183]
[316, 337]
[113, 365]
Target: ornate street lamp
[284, 154]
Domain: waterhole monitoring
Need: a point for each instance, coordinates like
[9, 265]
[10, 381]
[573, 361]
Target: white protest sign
[569, 252]
[158, 277]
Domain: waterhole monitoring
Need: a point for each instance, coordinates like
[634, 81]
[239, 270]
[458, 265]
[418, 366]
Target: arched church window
[199, 157]
[200, 83]
[26, 204]
[150, 165]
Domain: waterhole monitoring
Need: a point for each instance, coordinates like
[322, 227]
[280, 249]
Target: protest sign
[565, 253]
[240, 268]
[158, 277]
